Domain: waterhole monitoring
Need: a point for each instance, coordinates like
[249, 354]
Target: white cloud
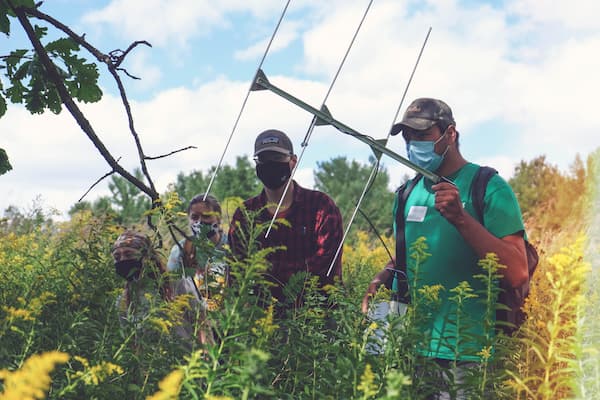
[168, 23]
[160, 22]
[139, 64]
[305, 177]
[504, 165]
[282, 39]
[52, 157]
[554, 102]
[490, 64]
[579, 15]
[473, 66]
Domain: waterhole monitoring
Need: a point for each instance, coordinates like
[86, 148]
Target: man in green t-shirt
[443, 213]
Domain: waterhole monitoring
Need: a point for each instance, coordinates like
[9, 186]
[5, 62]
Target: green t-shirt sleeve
[502, 214]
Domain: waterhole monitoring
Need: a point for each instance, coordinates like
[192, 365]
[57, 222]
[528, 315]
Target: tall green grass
[58, 292]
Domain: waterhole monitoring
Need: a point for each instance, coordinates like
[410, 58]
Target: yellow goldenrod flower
[32, 380]
[485, 353]
[96, 374]
[367, 382]
[329, 289]
[17, 313]
[212, 305]
[83, 361]
[162, 325]
[37, 304]
[169, 387]
[265, 325]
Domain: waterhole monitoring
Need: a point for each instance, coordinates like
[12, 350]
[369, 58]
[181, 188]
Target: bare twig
[135, 135]
[172, 228]
[117, 56]
[95, 183]
[128, 74]
[67, 100]
[181, 232]
[112, 60]
[9, 56]
[103, 58]
[171, 153]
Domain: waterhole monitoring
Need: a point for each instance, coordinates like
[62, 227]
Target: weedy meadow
[60, 335]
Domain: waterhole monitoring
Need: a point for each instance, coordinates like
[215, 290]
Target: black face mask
[129, 269]
[273, 174]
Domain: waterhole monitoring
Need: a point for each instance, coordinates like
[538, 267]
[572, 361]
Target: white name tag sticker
[416, 213]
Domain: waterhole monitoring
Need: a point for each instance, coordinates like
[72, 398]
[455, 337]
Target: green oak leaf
[4, 164]
[4, 21]
[2, 106]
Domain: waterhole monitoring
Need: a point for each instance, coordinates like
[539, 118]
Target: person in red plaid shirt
[315, 223]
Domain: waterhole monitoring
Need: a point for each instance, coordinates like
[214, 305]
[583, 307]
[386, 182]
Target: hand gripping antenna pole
[212, 178]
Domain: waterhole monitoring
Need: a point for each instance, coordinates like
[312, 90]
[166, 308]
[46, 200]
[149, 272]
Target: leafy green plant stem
[28, 344]
[550, 356]
[123, 345]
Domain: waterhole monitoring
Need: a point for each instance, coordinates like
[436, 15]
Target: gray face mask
[204, 229]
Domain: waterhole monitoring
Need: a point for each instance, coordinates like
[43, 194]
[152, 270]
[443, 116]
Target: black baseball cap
[273, 140]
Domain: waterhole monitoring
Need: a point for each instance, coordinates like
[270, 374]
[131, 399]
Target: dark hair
[211, 201]
[443, 125]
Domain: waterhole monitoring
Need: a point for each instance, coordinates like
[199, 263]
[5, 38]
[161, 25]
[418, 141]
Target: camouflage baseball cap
[423, 113]
[134, 240]
[273, 140]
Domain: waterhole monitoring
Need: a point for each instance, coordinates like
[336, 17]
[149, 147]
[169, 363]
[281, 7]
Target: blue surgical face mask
[423, 153]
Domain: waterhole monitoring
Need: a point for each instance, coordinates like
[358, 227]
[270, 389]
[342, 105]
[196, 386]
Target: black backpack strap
[513, 298]
[403, 193]
[478, 187]
[400, 271]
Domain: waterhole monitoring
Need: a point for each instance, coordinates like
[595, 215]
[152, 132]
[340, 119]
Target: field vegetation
[60, 336]
[60, 332]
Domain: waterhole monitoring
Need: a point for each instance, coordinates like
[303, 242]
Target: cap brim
[418, 124]
[272, 148]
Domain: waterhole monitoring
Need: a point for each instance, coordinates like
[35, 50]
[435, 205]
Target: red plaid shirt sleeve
[328, 236]
[311, 240]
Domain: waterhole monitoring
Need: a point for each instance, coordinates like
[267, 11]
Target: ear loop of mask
[445, 131]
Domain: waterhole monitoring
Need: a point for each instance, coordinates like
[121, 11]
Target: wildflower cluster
[94, 375]
[32, 380]
[59, 291]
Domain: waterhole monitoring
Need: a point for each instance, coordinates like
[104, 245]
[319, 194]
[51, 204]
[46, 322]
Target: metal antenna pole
[376, 166]
[324, 118]
[212, 178]
[314, 120]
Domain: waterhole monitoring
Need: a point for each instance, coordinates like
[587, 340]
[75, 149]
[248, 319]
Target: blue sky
[520, 76]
